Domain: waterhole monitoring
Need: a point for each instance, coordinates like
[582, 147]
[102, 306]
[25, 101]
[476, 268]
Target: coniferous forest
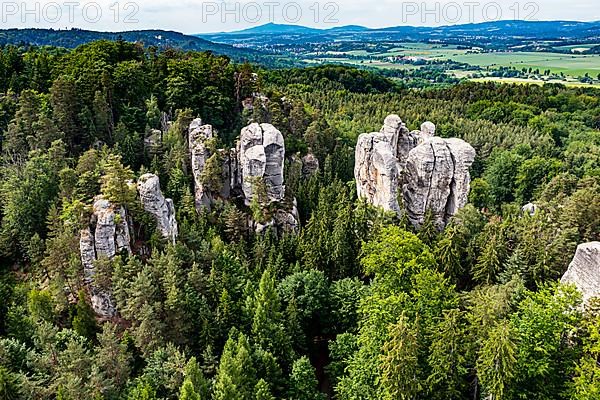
[352, 304]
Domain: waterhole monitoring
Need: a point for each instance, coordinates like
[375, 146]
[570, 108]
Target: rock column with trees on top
[251, 172]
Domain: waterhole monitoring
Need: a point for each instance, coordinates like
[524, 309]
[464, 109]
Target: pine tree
[187, 391]
[267, 323]
[447, 357]
[496, 364]
[262, 391]
[112, 360]
[115, 183]
[235, 378]
[400, 374]
[195, 386]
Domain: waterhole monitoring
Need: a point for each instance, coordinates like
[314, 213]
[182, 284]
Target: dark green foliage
[356, 304]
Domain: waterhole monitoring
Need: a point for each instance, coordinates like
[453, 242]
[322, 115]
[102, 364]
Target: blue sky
[198, 16]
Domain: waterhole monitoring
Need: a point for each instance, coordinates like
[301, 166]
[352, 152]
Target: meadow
[572, 65]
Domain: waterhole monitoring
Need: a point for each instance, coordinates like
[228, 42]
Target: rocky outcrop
[252, 170]
[199, 137]
[376, 170]
[153, 141]
[432, 173]
[261, 160]
[107, 235]
[584, 271]
[437, 179]
[463, 156]
[530, 209]
[310, 165]
[401, 140]
[154, 202]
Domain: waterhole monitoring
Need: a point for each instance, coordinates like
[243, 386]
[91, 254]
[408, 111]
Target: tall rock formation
[261, 159]
[376, 170]
[107, 235]
[432, 173]
[437, 179]
[154, 202]
[255, 167]
[199, 137]
[584, 270]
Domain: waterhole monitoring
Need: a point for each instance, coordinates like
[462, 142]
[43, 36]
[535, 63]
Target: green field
[569, 64]
[574, 65]
[533, 82]
[361, 63]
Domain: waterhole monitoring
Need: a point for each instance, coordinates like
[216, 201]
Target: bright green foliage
[262, 391]
[542, 325]
[195, 386]
[586, 383]
[448, 357]
[496, 364]
[303, 382]
[267, 323]
[187, 391]
[399, 362]
[142, 391]
[115, 182]
[235, 378]
[395, 258]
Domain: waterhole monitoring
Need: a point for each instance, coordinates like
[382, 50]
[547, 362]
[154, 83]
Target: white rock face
[401, 140]
[376, 170]
[437, 178]
[107, 235]
[530, 208]
[261, 157]
[433, 173]
[112, 229]
[584, 270]
[199, 135]
[463, 155]
[154, 202]
[257, 159]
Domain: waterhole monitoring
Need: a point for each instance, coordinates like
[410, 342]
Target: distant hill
[159, 38]
[277, 29]
[286, 29]
[509, 31]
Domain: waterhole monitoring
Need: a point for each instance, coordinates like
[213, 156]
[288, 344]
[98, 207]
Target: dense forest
[355, 304]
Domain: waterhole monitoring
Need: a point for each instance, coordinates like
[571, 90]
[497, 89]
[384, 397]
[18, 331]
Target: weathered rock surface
[463, 155]
[376, 170]
[153, 141]
[584, 271]
[261, 158]
[437, 179]
[256, 163]
[107, 235]
[199, 136]
[401, 140]
[433, 173]
[154, 202]
[310, 165]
